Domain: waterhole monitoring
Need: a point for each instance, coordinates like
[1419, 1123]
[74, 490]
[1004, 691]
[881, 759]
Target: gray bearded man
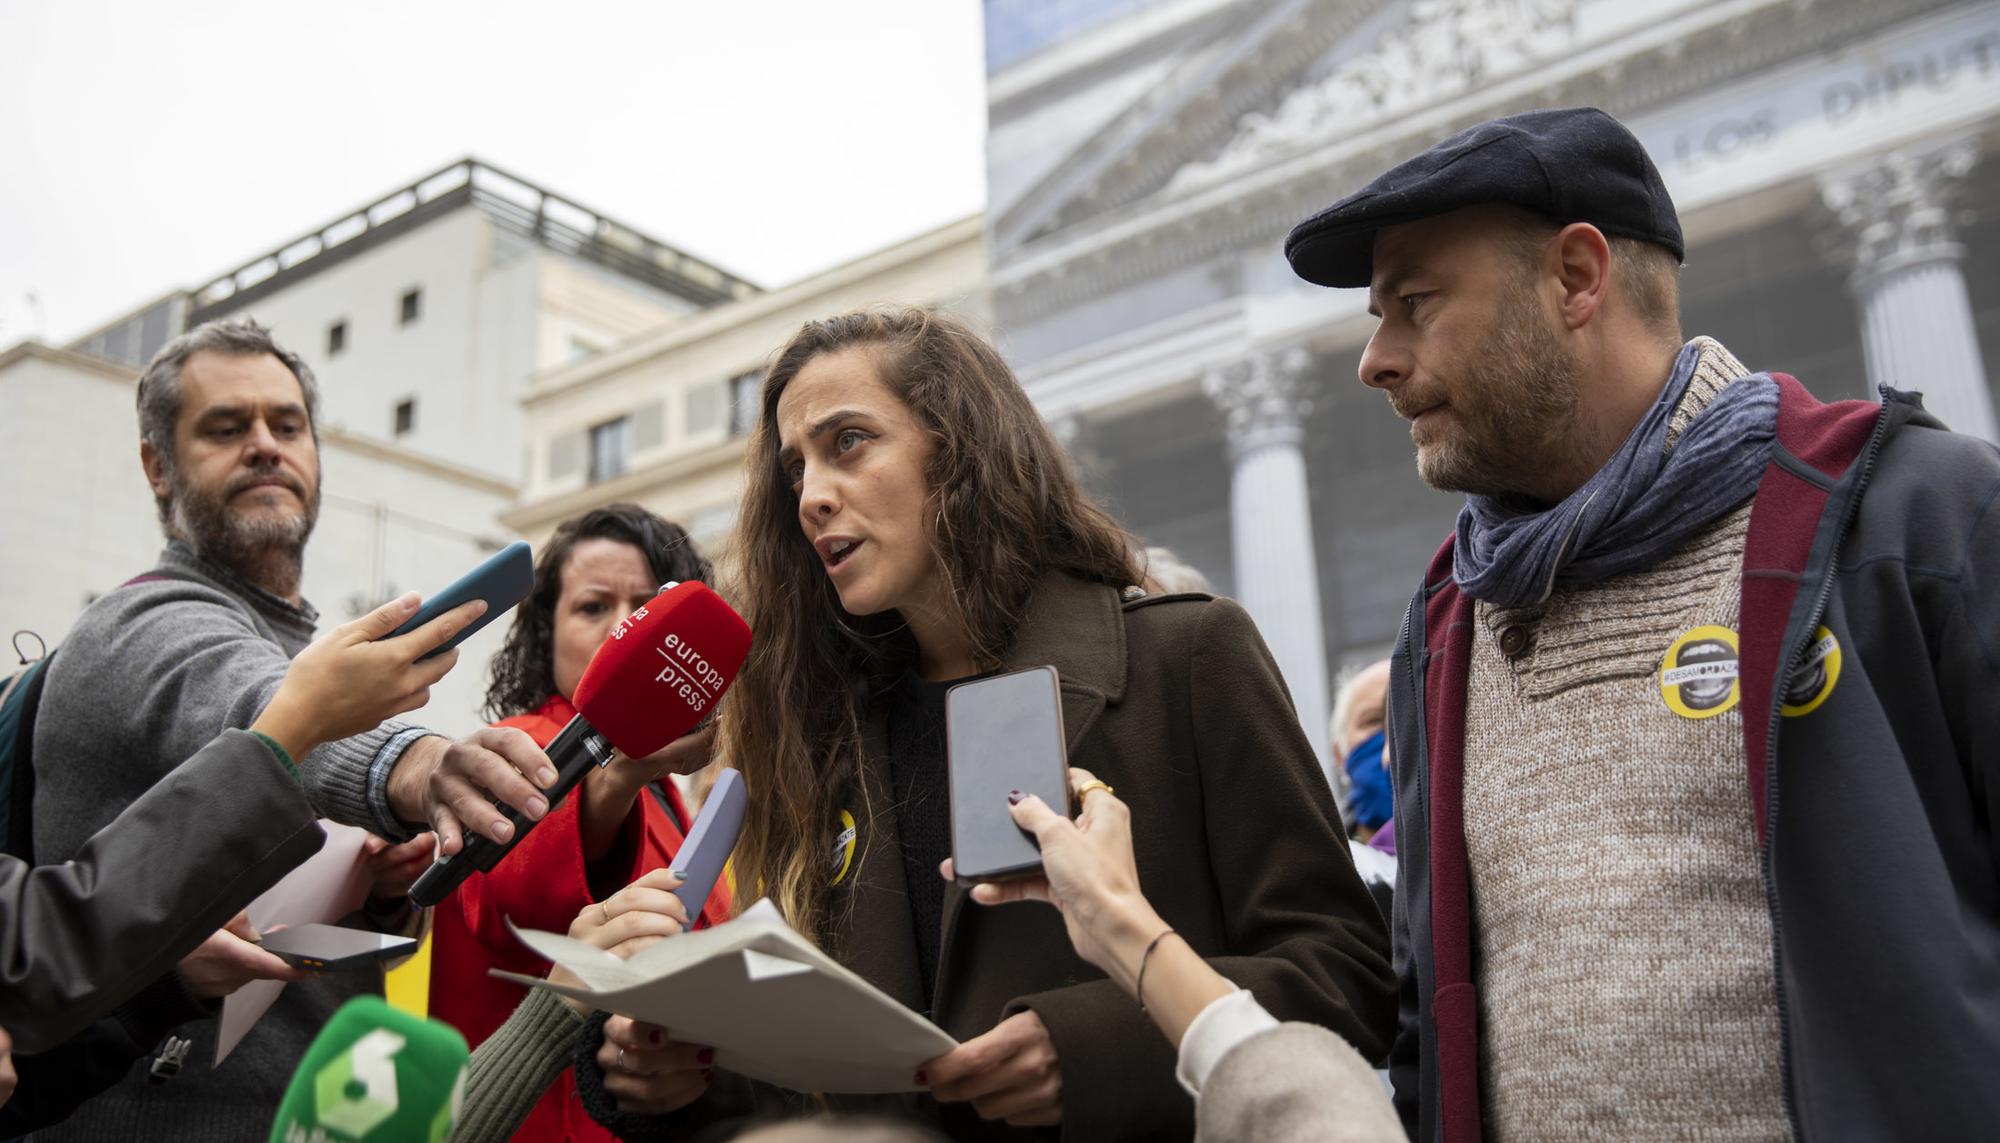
[1697, 759]
[157, 668]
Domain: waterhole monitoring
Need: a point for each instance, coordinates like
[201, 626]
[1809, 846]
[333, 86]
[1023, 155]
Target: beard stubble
[1523, 423]
[266, 548]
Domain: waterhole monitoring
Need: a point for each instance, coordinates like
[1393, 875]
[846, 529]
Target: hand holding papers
[772, 1006]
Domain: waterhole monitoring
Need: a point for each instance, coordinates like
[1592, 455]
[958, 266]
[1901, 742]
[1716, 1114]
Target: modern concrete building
[426, 311]
[425, 314]
[661, 420]
[1146, 158]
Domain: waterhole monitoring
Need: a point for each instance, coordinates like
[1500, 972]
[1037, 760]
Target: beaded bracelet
[1139, 988]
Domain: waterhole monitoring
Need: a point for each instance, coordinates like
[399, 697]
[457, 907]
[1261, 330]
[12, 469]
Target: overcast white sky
[147, 146]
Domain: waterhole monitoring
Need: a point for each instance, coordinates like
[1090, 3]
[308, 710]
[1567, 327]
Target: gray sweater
[149, 674]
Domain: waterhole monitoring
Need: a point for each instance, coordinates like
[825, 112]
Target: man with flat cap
[1696, 717]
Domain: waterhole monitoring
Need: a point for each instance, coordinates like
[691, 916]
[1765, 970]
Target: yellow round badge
[1812, 680]
[843, 847]
[1698, 676]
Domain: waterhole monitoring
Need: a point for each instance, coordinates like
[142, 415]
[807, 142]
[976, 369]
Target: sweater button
[1514, 640]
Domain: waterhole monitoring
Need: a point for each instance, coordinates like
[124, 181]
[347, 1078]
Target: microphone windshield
[663, 669]
[373, 1075]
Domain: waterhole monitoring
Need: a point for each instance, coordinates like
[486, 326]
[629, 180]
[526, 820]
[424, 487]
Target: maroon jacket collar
[1816, 445]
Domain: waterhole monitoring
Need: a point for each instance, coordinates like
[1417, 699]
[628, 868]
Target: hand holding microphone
[659, 674]
[645, 1070]
[609, 790]
[632, 918]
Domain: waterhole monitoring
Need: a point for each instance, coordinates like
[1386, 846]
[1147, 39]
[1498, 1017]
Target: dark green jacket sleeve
[79, 939]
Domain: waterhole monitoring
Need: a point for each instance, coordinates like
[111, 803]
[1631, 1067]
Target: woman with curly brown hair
[625, 820]
[908, 523]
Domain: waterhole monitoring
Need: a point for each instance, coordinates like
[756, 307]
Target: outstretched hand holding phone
[353, 678]
[1090, 874]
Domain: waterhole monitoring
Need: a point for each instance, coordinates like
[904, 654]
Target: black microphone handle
[575, 752]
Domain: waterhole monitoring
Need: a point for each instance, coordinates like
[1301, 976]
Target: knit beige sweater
[1624, 945]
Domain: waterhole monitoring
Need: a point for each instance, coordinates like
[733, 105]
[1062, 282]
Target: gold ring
[1092, 787]
[604, 912]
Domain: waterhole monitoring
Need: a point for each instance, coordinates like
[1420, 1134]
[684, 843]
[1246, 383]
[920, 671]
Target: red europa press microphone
[658, 675]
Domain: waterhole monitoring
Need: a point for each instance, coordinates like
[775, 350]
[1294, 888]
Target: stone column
[1898, 226]
[1264, 400]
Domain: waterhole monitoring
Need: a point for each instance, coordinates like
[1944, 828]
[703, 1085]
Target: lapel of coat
[1079, 628]
[880, 937]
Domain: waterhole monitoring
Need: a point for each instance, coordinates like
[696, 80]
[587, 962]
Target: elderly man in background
[1357, 737]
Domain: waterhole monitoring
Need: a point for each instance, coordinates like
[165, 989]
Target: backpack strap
[20, 701]
[20, 698]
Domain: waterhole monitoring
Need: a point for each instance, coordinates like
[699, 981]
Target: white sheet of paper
[772, 1006]
[329, 886]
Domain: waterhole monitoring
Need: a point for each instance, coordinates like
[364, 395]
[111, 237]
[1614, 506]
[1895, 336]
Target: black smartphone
[502, 581]
[1002, 734]
[323, 947]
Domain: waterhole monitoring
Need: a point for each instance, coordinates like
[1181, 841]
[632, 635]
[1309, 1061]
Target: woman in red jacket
[624, 821]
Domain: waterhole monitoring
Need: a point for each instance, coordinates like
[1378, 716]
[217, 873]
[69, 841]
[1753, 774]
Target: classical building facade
[1146, 159]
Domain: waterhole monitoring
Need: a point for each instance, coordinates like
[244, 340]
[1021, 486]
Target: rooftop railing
[514, 203]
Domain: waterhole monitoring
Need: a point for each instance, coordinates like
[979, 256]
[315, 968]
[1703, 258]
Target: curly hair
[524, 670]
[1006, 510]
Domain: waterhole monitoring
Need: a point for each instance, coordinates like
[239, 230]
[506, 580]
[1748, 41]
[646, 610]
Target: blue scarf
[1641, 507]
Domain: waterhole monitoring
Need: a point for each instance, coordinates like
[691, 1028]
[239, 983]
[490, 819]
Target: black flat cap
[1574, 164]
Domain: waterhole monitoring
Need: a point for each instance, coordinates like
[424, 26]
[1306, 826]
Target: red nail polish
[923, 1079]
[655, 1037]
[706, 1056]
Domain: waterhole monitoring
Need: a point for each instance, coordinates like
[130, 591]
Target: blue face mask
[1369, 799]
[1367, 753]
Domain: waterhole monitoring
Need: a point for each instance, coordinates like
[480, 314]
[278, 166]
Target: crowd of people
[1549, 887]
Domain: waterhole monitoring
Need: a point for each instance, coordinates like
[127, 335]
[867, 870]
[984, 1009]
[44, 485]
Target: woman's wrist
[1127, 926]
[293, 735]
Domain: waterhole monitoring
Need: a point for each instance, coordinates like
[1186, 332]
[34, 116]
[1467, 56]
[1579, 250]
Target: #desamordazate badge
[1698, 677]
[1812, 680]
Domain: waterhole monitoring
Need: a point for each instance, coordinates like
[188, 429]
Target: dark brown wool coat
[1175, 701]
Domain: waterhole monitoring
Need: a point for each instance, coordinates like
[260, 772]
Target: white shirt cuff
[1226, 1022]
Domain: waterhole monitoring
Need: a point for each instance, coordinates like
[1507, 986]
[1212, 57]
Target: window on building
[705, 408]
[336, 338]
[610, 449]
[406, 416]
[566, 454]
[649, 426]
[745, 392]
[413, 305]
